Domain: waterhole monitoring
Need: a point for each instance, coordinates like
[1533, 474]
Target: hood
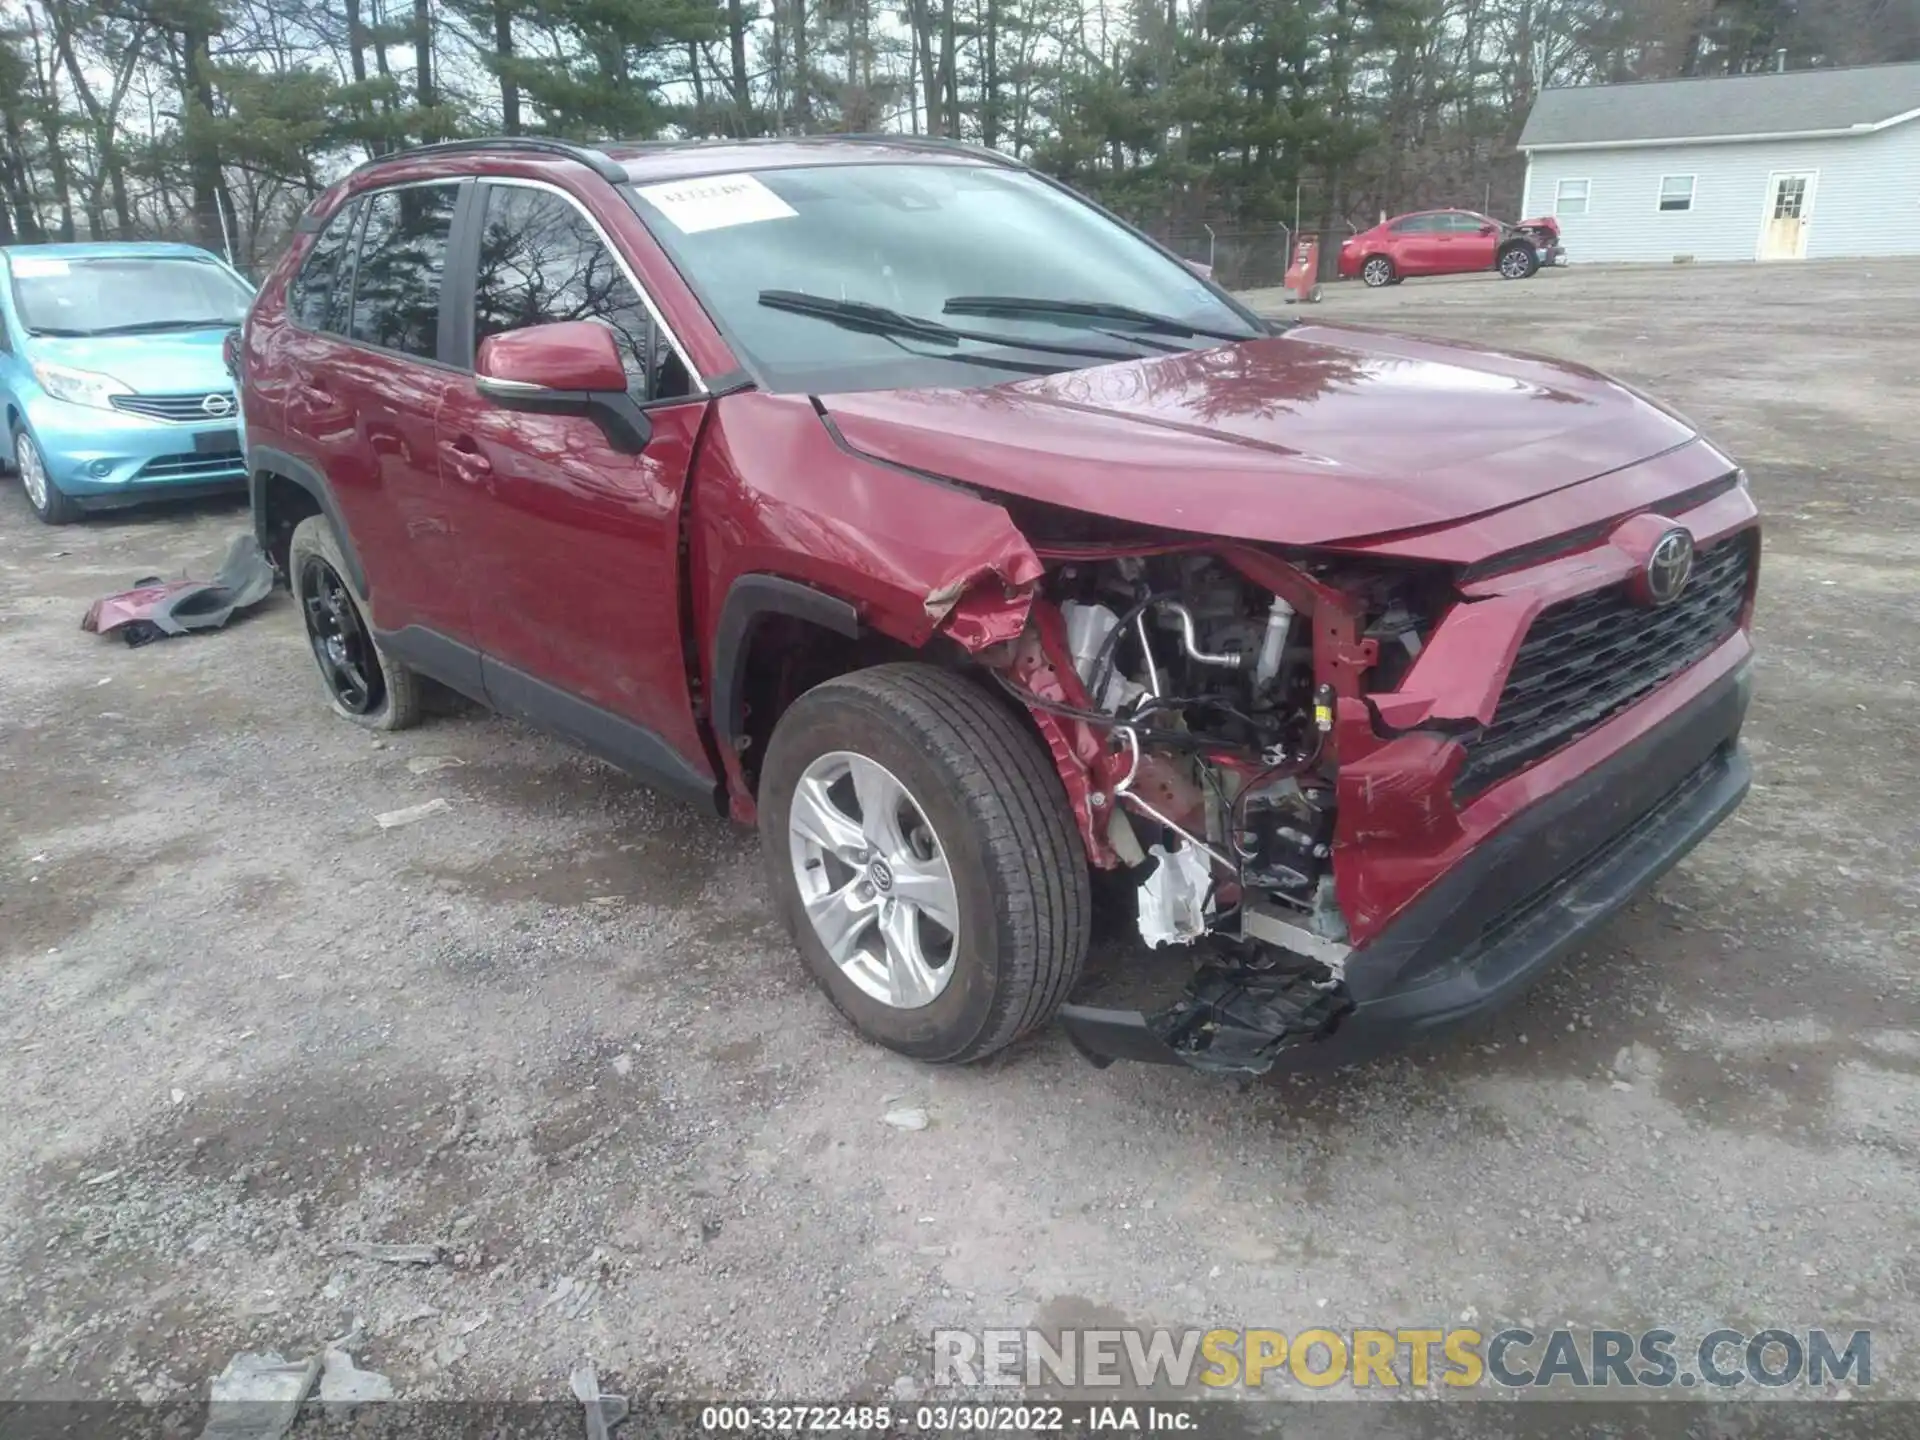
[177, 363]
[1322, 434]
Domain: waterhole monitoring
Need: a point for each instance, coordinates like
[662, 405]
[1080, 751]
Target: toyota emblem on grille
[1669, 567]
[217, 404]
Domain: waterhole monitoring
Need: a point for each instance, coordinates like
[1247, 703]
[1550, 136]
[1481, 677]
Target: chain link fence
[1247, 258]
[1250, 259]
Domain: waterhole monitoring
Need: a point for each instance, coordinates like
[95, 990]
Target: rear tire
[364, 684]
[50, 504]
[1519, 261]
[1378, 270]
[983, 807]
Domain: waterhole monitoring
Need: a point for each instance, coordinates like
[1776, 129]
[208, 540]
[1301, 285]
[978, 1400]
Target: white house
[1804, 164]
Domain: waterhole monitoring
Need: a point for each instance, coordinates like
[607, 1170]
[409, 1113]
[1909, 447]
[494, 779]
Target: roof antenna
[1780, 60]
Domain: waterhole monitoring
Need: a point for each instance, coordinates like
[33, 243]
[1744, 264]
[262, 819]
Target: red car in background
[1450, 242]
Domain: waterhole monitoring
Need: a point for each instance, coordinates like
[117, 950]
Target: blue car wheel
[49, 502]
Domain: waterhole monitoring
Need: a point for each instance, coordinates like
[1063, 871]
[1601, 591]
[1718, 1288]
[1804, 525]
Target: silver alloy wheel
[33, 473]
[874, 879]
[1377, 272]
[1514, 264]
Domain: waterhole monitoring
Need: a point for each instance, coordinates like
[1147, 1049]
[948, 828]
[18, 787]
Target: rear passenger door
[574, 547]
[369, 374]
[1414, 248]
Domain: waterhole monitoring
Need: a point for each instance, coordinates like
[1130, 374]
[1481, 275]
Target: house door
[1783, 228]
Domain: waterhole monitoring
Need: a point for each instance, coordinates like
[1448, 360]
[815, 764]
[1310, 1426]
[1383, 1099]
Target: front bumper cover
[1483, 932]
[102, 457]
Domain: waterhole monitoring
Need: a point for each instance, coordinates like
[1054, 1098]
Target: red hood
[1325, 433]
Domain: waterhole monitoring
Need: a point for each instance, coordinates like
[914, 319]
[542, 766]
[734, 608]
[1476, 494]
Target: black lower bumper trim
[1486, 930]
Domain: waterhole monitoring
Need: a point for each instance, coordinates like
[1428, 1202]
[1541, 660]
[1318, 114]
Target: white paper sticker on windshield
[714, 202]
[27, 266]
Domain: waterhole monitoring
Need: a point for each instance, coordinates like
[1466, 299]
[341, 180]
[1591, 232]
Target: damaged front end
[1189, 694]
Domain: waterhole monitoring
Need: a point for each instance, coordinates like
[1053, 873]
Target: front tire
[50, 503]
[1519, 262]
[1378, 271]
[364, 684]
[920, 849]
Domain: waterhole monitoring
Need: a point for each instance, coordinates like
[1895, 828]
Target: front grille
[183, 409]
[221, 465]
[1589, 658]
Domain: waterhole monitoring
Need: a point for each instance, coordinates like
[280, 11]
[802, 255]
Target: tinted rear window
[403, 256]
[323, 277]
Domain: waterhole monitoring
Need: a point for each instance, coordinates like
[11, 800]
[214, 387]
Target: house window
[1676, 192]
[1570, 197]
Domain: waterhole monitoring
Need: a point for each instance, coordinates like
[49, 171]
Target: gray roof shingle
[1723, 107]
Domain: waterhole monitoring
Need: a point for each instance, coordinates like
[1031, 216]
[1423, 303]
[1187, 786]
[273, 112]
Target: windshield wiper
[58, 332]
[1023, 306]
[145, 326]
[879, 320]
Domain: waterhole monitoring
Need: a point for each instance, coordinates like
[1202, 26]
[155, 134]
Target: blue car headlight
[78, 387]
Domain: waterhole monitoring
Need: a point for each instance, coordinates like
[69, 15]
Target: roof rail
[605, 168]
[928, 142]
[931, 143]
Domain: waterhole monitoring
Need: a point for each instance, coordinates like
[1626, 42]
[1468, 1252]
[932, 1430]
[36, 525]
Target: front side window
[857, 277]
[317, 298]
[1570, 197]
[1461, 223]
[396, 281]
[541, 261]
[1676, 192]
[125, 294]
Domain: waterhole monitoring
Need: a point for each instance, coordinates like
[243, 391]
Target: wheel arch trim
[264, 461]
[750, 600]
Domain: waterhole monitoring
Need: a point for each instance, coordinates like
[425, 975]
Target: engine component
[1124, 791]
[1267, 928]
[1225, 660]
[1173, 899]
[1089, 633]
[1205, 693]
[1087, 629]
[1286, 841]
[1273, 643]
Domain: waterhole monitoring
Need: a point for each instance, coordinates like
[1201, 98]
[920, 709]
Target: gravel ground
[556, 1030]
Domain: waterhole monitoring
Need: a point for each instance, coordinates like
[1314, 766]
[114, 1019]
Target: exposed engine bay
[1194, 693]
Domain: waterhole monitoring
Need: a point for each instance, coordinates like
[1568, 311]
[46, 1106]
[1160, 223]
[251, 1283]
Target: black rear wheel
[363, 683]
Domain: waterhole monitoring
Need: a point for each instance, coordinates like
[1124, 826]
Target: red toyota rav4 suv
[890, 496]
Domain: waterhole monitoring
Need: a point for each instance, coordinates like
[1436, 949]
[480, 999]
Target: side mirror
[571, 367]
[1200, 268]
[1487, 230]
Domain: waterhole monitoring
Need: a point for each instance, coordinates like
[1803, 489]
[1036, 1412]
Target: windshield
[124, 294]
[914, 240]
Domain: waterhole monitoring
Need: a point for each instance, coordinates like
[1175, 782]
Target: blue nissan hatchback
[113, 376]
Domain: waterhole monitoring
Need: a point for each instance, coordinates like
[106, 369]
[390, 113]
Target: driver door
[572, 547]
[1473, 239]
